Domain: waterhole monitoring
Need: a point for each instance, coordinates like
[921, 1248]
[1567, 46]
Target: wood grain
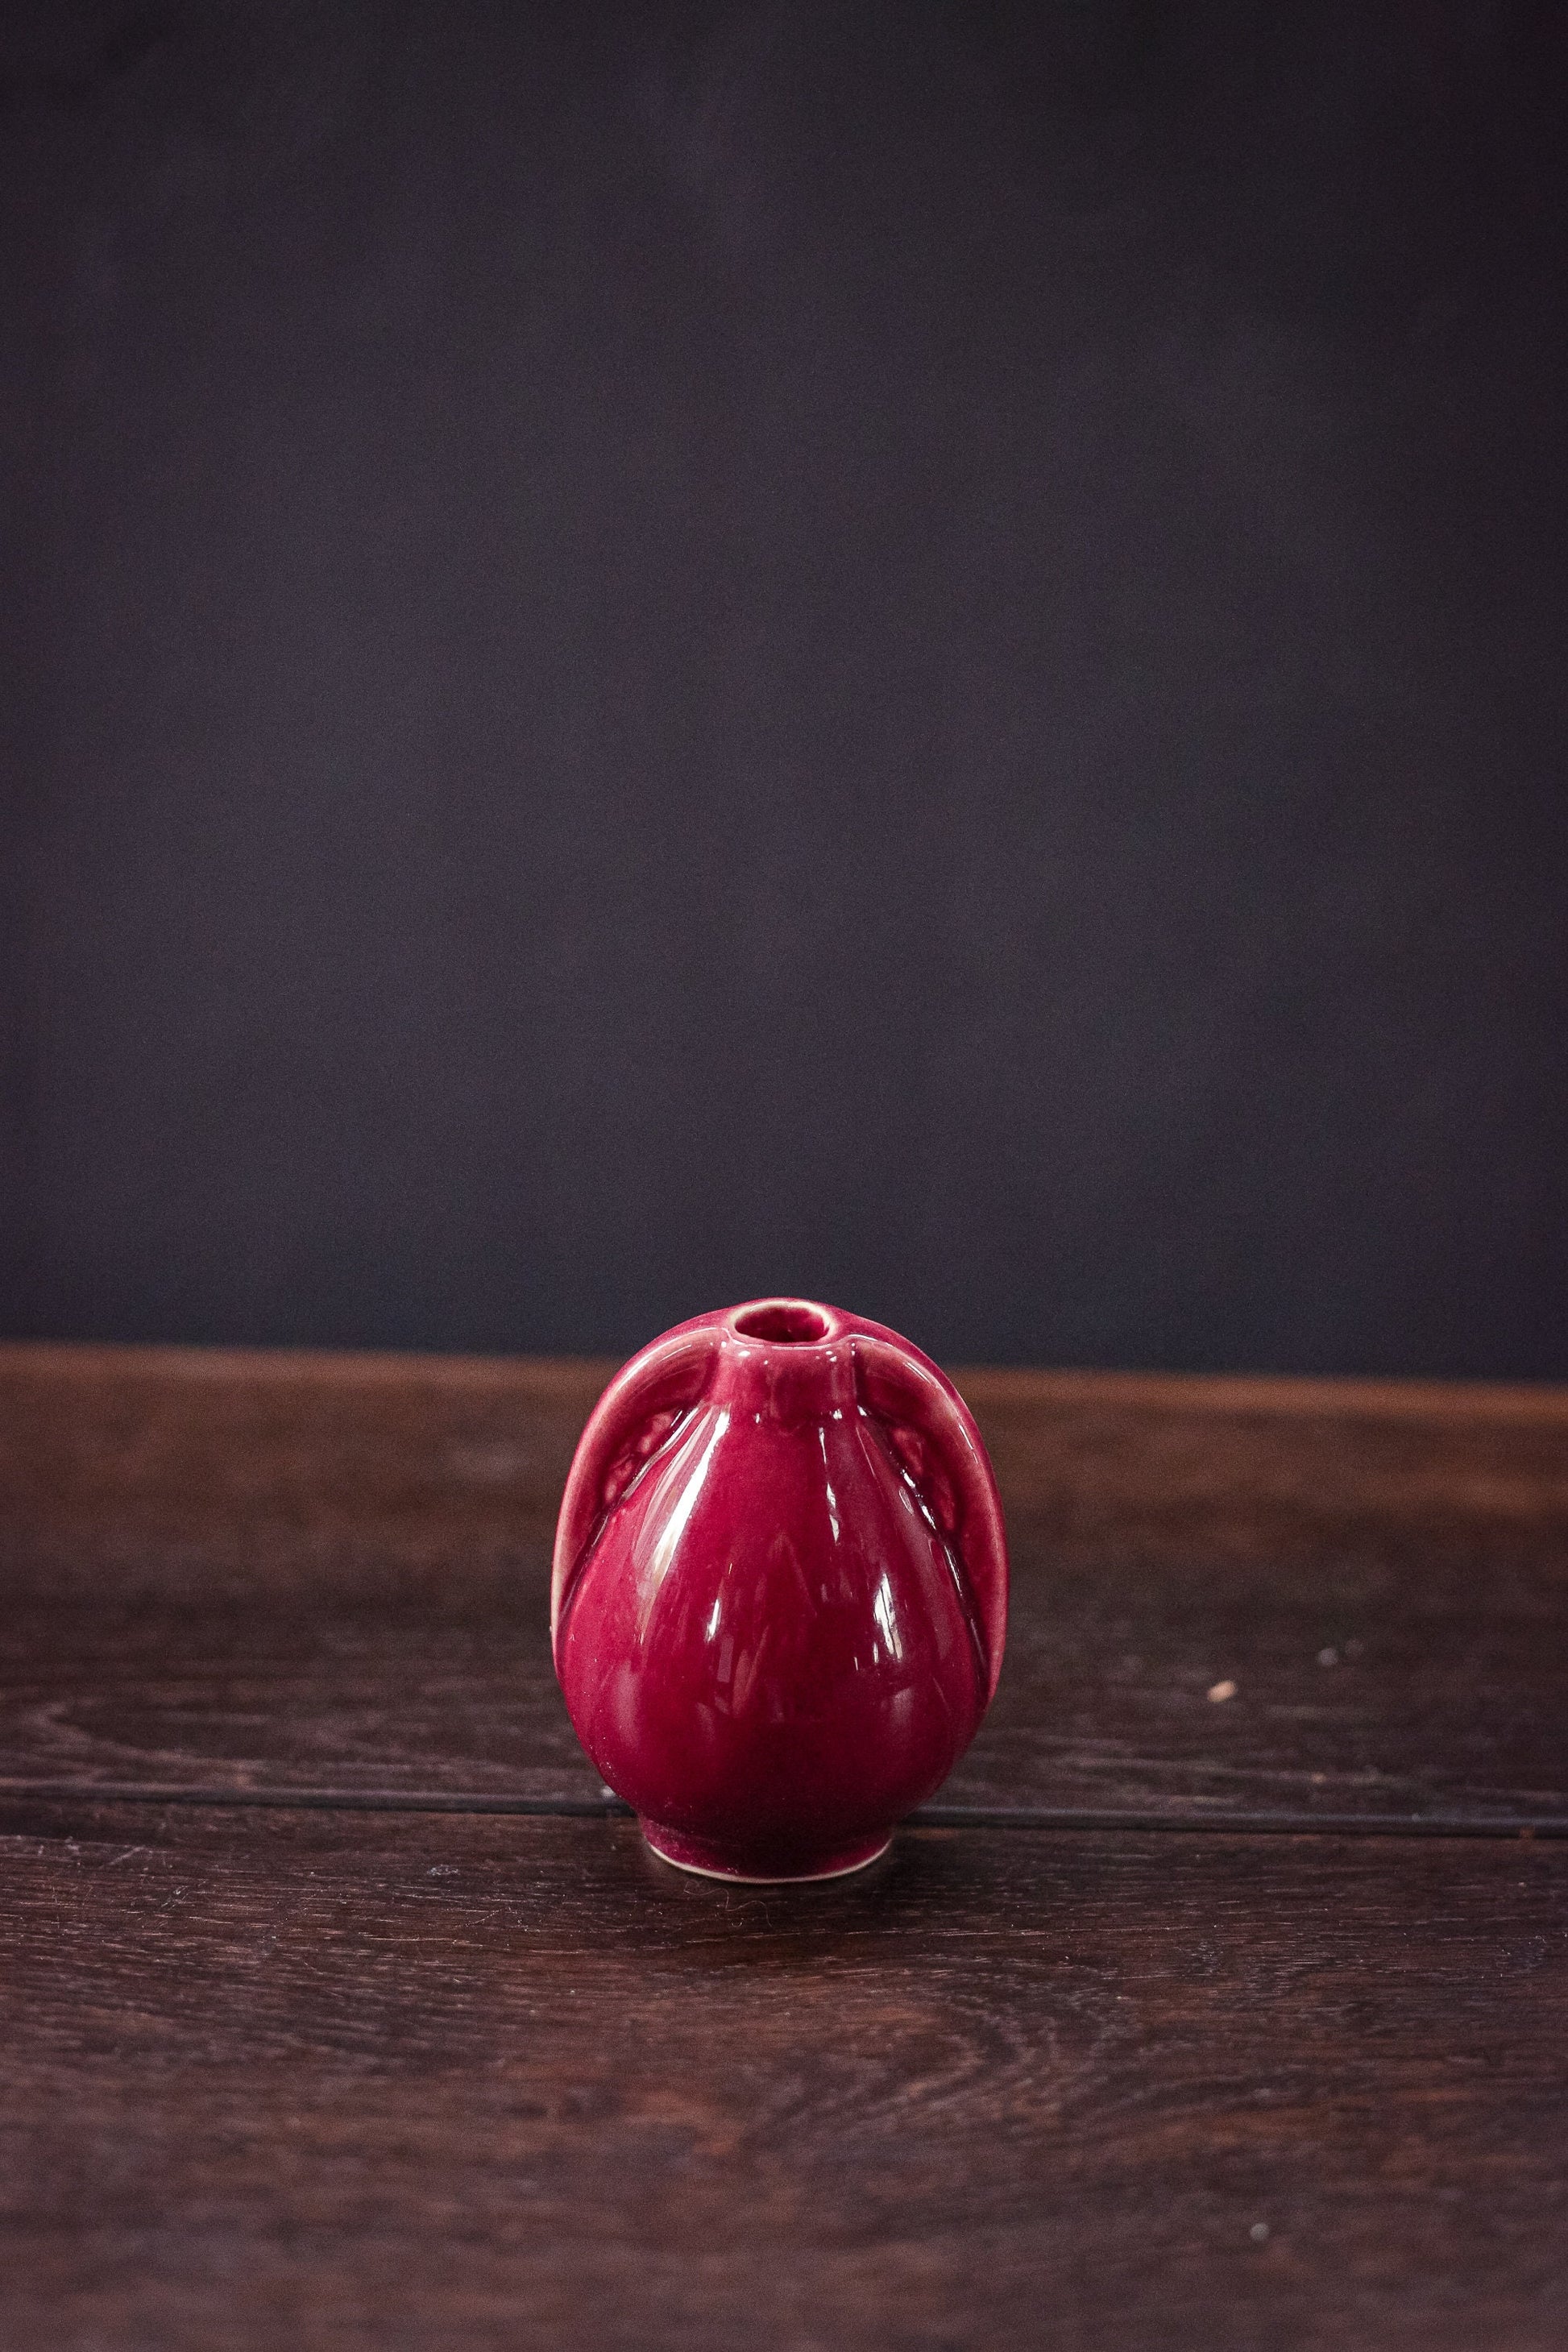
[352, 1465]
[1112, 1467]
[1448, 1696]
[268, 1574]
[275, 2077]
[285, 2080]
[233, 1470]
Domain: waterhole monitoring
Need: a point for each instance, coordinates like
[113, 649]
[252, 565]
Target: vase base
[694, 1854]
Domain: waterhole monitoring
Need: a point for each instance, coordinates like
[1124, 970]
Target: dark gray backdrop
[909, 651]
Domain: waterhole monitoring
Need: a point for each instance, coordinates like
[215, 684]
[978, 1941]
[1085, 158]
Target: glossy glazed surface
[780, 1587]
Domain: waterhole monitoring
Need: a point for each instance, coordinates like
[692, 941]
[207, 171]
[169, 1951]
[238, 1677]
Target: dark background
[914, 652]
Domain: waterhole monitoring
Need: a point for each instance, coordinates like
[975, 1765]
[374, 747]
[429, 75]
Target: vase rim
[785, 1322]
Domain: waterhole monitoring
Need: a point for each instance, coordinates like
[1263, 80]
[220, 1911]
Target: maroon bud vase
[779, 1590]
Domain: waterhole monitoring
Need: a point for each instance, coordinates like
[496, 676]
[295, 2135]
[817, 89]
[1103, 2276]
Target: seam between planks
[608, 1807]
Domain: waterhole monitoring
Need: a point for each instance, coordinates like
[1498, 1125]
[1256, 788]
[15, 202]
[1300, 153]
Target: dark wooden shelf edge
[955, 1817]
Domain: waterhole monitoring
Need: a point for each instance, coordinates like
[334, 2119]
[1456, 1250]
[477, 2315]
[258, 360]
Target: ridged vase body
[780, 1588]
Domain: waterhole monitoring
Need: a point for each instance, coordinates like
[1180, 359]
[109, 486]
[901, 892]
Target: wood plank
[235, 1468]
[270, 2079]
[348, 1461]
[451, 1694]
[1190, 1468]
[240, 1572]
[1360, 1688]
[1447, 1698]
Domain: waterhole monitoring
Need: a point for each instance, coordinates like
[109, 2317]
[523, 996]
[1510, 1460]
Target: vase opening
[784, 1323]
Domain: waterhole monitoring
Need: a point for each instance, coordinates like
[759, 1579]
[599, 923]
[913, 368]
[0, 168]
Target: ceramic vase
[780, 1588]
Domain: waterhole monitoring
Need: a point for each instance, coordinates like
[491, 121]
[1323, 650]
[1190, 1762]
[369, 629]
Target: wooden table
[341, 2008]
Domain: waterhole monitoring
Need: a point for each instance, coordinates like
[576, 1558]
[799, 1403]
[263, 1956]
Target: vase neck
[787, 1383]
